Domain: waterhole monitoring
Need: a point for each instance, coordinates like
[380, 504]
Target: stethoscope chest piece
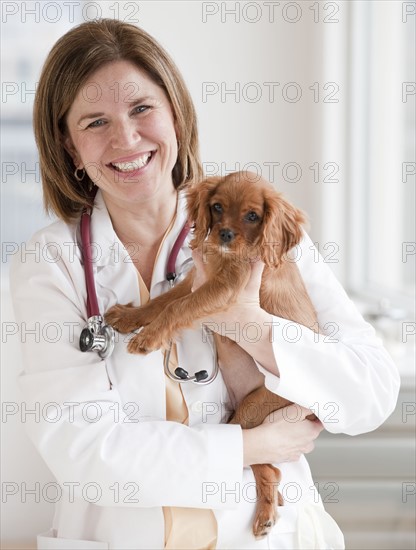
[97, 337]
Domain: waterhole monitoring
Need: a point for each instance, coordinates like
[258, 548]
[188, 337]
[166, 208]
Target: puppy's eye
[252, 217]
[217, 207]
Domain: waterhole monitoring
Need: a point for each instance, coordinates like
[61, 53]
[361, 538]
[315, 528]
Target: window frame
[359, 159]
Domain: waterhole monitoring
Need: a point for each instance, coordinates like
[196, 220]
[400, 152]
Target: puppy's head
[242, 214]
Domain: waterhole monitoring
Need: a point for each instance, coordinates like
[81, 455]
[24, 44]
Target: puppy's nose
[226, 235]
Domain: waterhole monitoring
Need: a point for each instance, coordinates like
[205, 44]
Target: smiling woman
[128, 147]
[129, 78]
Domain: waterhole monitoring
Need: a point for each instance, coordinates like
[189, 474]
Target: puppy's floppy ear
[282, 228]
[199, 213]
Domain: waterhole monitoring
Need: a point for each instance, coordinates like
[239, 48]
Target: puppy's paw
[266, 518]
[138, 346]
[145, 341]
[122, 318]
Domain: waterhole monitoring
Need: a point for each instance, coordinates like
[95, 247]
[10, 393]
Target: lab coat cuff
[271, 381]
[225, 466]
[293, 345]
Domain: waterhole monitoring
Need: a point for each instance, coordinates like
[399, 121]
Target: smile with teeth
[132, 165]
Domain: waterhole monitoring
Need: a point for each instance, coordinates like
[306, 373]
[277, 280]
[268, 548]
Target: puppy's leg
[127, 318]
[251, 412]
[267, 483]
[238, 369]
[256, 406]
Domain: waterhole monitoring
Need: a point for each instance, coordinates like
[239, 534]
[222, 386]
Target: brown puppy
[238, 218]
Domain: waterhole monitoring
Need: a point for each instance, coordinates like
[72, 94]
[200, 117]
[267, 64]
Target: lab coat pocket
[49, 541]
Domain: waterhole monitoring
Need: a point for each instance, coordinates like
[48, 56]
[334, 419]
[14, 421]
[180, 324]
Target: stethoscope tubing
[92, 301]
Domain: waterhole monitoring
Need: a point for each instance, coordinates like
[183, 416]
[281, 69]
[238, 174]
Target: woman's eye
[252, 217]
[217, 207]
[96, 123]
[141, 108]
[101, 122]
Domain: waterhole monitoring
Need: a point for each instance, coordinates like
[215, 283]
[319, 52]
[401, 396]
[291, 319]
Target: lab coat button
[196, 407]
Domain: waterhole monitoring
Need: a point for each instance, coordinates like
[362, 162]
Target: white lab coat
[115, 456]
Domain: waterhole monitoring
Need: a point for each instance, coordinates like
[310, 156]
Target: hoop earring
[77, 176]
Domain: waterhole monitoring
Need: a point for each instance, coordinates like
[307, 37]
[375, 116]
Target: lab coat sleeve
[80, 427]
[344, 374]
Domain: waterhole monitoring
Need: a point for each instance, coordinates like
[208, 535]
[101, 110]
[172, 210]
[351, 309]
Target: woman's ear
[282, 228]
[199, 213]
[69, 147]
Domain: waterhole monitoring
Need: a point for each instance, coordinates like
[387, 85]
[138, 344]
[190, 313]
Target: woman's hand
[247, 300]
[244, 321]
[284, 436]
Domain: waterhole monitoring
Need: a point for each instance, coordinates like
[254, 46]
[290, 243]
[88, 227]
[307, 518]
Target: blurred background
[319, 98]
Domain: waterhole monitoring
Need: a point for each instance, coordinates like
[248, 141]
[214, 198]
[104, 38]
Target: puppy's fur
[238, 218]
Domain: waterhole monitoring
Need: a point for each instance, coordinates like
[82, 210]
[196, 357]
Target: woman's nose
[125, 134]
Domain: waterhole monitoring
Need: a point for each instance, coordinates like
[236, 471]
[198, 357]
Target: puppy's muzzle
[226, 236]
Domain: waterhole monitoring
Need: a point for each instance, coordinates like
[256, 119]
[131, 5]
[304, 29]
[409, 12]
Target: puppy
[238, 219]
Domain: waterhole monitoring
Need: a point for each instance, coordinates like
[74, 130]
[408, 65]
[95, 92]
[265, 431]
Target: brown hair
[74, 57]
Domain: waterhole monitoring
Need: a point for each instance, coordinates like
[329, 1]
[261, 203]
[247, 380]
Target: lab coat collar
[103, 237]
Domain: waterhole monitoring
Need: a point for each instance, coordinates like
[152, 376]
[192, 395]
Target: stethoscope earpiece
[201, 377]
[183, 375]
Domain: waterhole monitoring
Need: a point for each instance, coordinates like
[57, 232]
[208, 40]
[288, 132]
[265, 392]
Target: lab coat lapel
[115, 275]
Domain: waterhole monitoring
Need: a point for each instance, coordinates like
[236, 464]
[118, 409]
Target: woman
[143, 461]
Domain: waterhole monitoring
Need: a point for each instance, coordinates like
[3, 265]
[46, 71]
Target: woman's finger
[250, 294]
[291, 413]
[200, 277]
[254, 281]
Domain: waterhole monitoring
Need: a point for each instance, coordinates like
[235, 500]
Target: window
[381, 220]
[21, 196]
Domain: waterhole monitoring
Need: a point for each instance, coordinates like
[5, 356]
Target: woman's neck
[144, 224]
[141, 229]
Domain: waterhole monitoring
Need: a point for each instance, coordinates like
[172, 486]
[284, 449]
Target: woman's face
[121, 131]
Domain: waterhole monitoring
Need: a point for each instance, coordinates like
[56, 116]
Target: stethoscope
[99, 337]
